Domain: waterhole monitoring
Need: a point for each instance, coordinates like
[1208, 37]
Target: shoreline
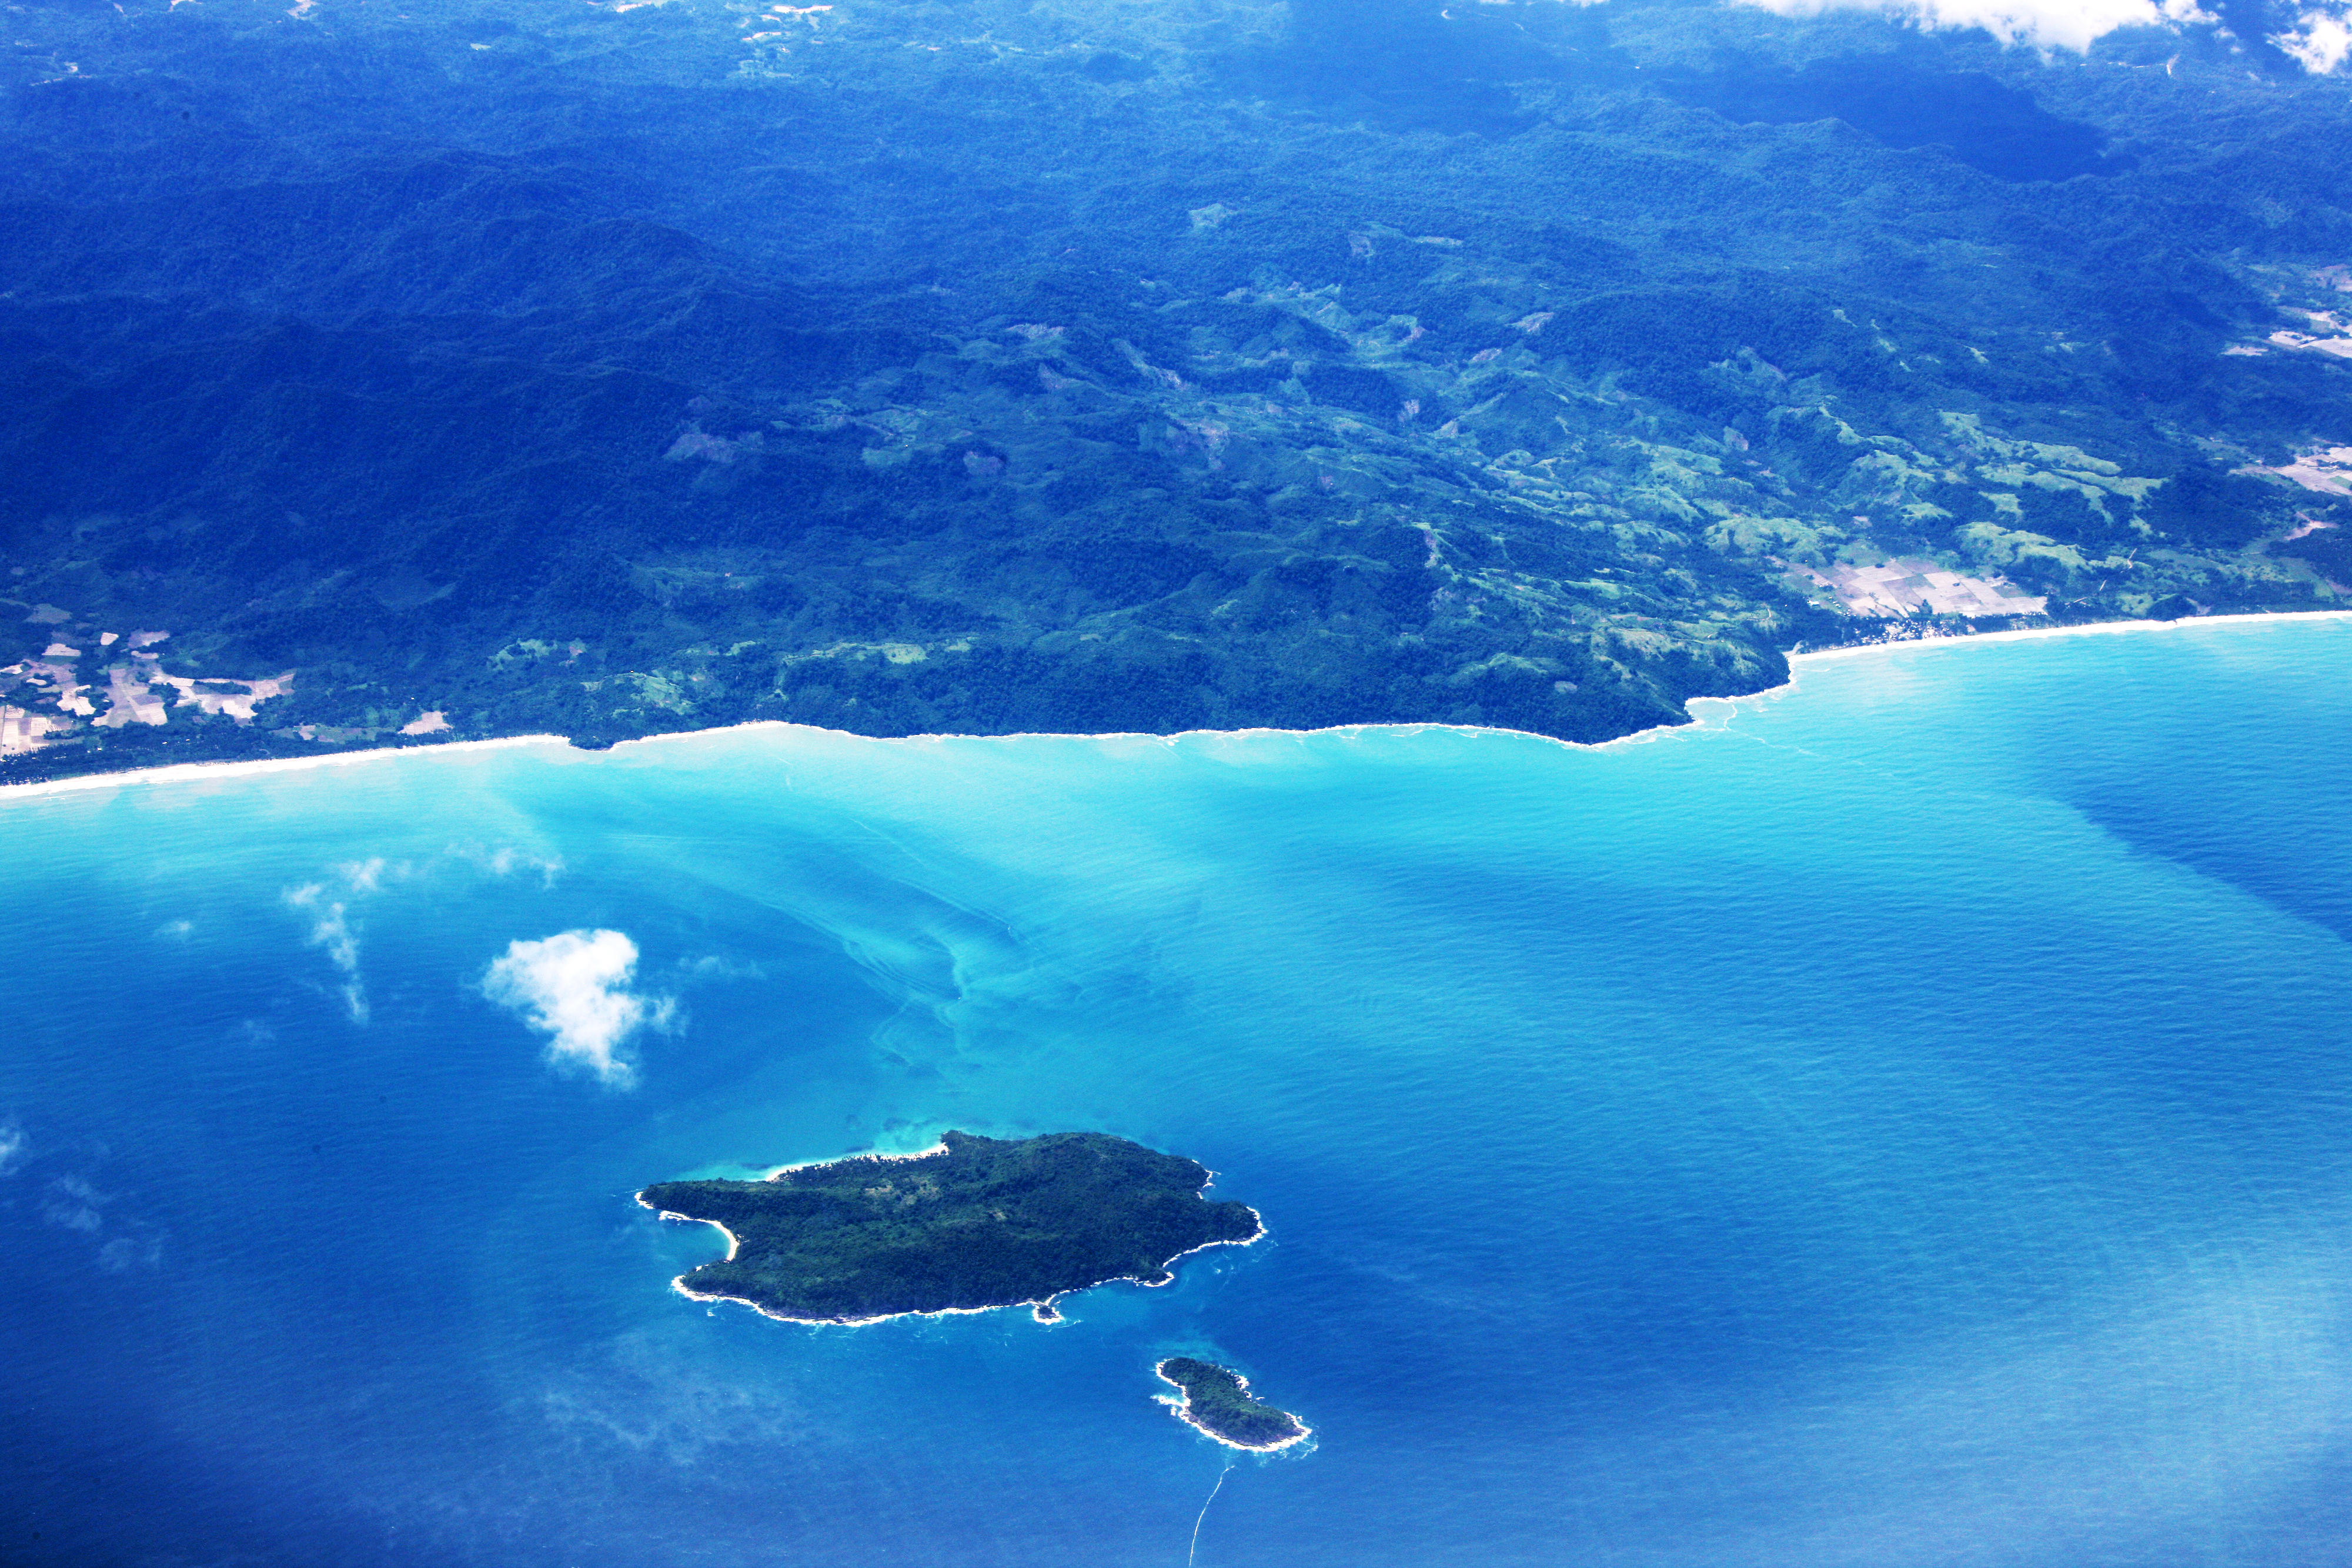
[933, 1152]
[1042, 1310]
[1183, 1410]
[2034, 634]
[194, 772]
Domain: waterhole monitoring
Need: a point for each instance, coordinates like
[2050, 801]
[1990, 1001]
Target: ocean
[1900, 1119]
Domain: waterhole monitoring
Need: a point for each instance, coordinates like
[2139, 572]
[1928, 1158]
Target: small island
[974, 1224]
[1217, 1400]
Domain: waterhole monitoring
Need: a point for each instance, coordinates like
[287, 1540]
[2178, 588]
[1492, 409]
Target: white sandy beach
[197, 772]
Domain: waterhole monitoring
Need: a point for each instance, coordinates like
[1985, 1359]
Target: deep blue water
[1902, 1120]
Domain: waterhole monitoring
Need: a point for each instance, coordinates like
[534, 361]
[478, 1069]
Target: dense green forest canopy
[1003, 365]
[978, 1223]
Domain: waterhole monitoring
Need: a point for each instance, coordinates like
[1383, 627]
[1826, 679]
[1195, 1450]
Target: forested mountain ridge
[1001, 367]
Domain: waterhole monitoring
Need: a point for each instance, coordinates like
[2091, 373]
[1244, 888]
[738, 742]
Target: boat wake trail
[1213, 1491]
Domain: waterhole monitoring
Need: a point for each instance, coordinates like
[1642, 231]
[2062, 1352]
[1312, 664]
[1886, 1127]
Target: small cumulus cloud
[713, 967]
[74, 1204]
[2321, 39]
[656, 1395]
[125, 1253]
[175, 930]
[14, 1145]
[575, 986]
[331, 929]
[2043, 23]
[71, 1202]
[330, 902]
[507, 861]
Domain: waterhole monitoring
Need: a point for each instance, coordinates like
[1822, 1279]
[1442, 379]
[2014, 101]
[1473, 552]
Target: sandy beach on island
[934, 1151]
[202, 772]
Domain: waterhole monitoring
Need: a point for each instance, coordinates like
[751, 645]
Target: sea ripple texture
[1898, 1120]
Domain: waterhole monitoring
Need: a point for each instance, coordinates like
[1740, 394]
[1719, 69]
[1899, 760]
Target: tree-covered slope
[1003, 366]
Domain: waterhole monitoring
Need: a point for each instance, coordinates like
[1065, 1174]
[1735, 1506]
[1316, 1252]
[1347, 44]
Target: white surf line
[2037, 634]
[203, 772]
[1195, 1548]
[1796, 661]
[1801, 660]
[188, 772]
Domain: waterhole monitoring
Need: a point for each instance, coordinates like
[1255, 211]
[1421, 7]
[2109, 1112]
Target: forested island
[1217, 1400]
[973, 1224]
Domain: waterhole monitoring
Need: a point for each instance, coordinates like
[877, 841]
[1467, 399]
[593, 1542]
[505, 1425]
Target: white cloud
[71, 1203]
[14, 1145]
[347, 886]
[125, 1253]
[74, 1204]
[331, 930]
[575, 986]
[2321, 40]
[2044, 24]
[713, 967]
[507, 861]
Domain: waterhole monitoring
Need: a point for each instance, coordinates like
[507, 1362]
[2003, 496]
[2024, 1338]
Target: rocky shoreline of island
[1217, 1402]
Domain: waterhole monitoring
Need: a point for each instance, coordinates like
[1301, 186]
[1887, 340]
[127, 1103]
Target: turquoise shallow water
[1902, 1120]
